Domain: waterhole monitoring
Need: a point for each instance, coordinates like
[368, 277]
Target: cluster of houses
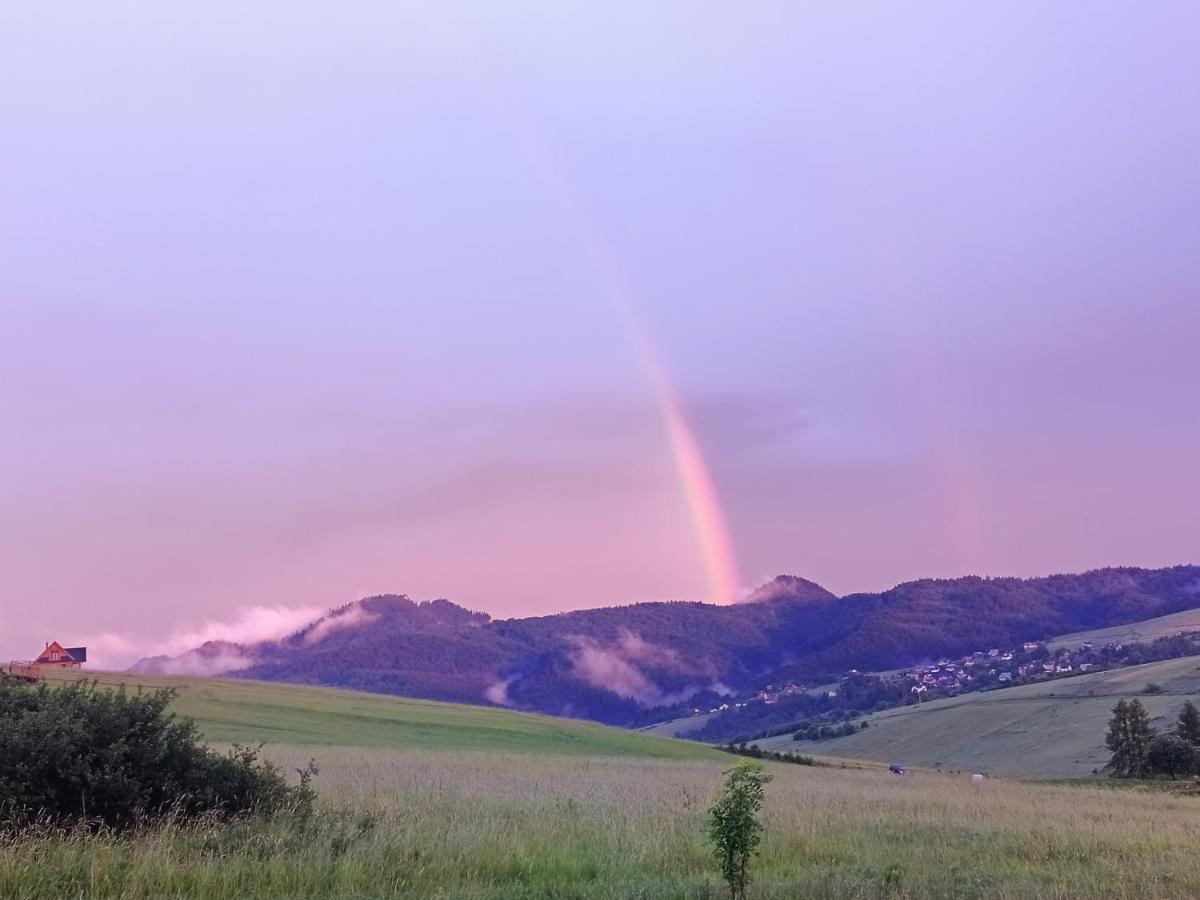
[983, 669]
[1029, 662]
[768, 696]
[995, 667]
[55, 656]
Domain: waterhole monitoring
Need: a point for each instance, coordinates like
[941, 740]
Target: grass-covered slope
[1053, 729]
[251, 711]
[1135, 632]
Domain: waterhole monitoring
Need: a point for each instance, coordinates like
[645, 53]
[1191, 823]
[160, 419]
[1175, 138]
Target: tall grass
[487, 826]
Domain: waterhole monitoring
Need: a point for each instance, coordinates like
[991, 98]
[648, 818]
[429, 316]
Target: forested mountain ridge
[617, 664]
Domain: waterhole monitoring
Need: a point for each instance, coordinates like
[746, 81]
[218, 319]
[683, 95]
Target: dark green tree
[1188, 725]
[1129, 736]
[1115, 740]
[733, 825]
[1172, 756]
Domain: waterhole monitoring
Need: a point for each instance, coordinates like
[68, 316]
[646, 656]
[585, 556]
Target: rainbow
[704, 506]
[696, 482]
[708, 518]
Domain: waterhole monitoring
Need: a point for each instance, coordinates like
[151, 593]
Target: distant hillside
[1133, 632]
[932, 618]
[1054, 729]
[632, 664]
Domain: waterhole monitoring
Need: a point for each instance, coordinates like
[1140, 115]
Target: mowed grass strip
[485, 826]
[251, 711]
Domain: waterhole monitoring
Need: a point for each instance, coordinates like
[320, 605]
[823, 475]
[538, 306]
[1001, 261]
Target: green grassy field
[1053, 729]
[677, 727]
[253, 711]
[442, 802]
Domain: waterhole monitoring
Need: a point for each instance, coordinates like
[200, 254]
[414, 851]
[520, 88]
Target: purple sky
[301, 302]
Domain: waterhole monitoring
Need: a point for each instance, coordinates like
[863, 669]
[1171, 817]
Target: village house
[56, 656]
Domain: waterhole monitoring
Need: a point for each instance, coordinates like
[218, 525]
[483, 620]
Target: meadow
[494, 823]
[229, 710]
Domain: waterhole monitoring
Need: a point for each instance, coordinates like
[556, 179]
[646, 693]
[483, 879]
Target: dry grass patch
[447, 824]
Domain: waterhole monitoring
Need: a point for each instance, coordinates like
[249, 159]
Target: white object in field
[977, 778]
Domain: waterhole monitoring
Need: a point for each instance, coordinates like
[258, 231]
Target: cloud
[251, 625]
[617, 668]
[211, 659]
[113, 651]
[497, 692]
[606, 669]
[352, 616]
[635, 649]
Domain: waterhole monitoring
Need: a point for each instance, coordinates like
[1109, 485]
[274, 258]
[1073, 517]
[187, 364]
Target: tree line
[1140, 751]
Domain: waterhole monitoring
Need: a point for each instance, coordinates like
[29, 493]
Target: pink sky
[300, 303]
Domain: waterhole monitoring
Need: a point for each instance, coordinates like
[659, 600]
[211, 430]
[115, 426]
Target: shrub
[734, 828]
[757, 752]
[1172, 756]
[76, 754]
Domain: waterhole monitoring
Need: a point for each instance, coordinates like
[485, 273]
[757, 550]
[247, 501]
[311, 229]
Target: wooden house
[59, 657]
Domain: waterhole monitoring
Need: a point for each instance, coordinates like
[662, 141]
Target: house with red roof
[59, 657]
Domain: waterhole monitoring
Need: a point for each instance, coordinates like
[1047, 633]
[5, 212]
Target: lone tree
[1188, 726]
[733, 825]
[1129, 736]
[1173, 756]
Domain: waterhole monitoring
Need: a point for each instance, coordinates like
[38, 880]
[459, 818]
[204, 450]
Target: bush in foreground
[76, 754]
[733, 826]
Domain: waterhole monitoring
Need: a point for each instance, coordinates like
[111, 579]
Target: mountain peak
[788, 587]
